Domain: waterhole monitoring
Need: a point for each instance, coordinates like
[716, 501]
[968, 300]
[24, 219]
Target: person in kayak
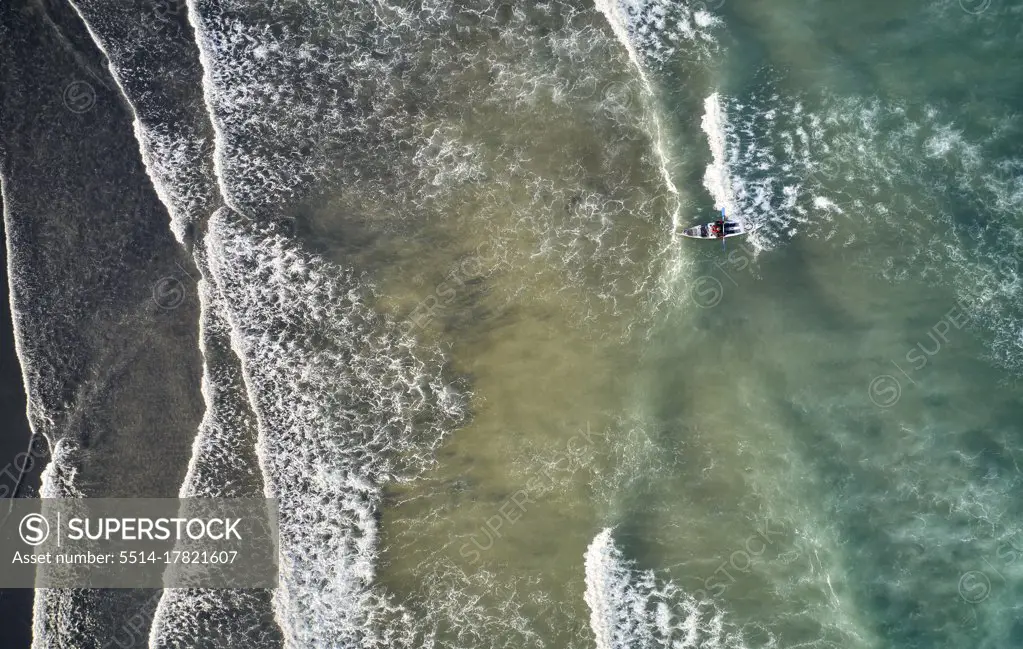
[722, 229]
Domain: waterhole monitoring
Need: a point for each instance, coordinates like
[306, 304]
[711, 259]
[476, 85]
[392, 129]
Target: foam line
[717, 179]
[617, 15]
[631, 608]
[171, 157]
[336, 420]
[171, 139]
[33, 409]
[208, 92]
[222, 464]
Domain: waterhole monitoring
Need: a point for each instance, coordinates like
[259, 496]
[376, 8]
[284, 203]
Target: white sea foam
[343, 405]
[631, 608]
[235, 84]
[302, 107]
[643, 28]
[445, 161]
[172, 137]
[176, 160]
[223, 452]
[59, 478]
[652, 34]
[300, 331]
[52, 607]
[36, 410]
[655, 31]
[255, 74]
[759, 162]
[223, 464]
[171, 153]
[717, 179]
[902, 174]
[254, 80]
[450, 599]
[173, 144]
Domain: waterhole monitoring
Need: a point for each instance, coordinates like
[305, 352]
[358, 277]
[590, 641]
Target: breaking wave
[632, 608]
[337, 418]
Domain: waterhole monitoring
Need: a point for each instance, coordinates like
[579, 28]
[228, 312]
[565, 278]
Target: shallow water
[816, 436]
[450, 323]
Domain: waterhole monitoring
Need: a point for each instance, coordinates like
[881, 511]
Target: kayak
[712, 230]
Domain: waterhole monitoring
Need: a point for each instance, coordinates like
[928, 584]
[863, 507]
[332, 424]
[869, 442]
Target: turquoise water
[814, 435]
[859, 377]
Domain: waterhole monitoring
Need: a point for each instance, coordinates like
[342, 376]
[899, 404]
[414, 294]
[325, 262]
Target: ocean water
[414, 269]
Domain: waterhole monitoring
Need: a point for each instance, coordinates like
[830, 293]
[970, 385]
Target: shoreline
[16, 604]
